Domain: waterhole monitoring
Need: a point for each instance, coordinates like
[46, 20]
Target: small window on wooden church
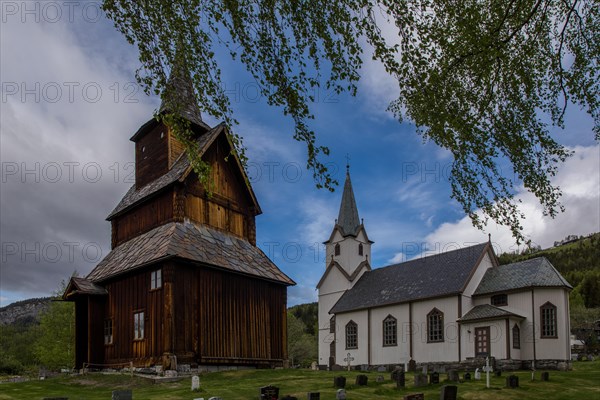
[138, 325]
[499, 300]
[155, 279]
[516, 337]
[351, 335]
[337, 249]
[390, 331]
[108, 331]
[435, 326]
[360, 249]
[548, 316]
[332, 324]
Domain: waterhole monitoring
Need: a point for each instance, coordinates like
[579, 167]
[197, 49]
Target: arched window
[332, 324]
[516, 332]
[390, 331]
[351, 335]
[337, 249]
[360, 249]
[548, 317]
[435, 326]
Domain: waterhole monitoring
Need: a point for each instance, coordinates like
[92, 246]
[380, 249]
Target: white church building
[456, 307]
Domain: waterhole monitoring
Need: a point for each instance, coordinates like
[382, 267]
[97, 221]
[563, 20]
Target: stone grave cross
[349, 359]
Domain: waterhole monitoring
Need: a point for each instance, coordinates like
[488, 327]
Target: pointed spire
[178, 94]
[348, 219]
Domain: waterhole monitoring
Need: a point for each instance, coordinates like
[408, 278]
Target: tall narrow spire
[348, 219]
[178, 95]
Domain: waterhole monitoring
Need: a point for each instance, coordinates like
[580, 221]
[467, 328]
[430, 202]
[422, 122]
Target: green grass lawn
[582, 383]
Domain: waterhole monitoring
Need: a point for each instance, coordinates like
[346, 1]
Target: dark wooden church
[184, 281]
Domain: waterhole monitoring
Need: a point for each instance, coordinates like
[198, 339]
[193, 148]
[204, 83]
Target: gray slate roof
[437, 275]
[487, 311]
[192, 242]
[536, 272]
[181, 165]
[348, 220]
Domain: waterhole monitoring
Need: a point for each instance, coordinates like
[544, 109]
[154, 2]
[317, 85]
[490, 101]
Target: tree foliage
[55, 346]
[302, 346]
[484, 79]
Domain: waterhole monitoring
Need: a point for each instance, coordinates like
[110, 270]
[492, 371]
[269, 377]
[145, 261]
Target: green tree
[484, 79]
[55, 347]
[55, 344]
[302, 347]
[16, 353]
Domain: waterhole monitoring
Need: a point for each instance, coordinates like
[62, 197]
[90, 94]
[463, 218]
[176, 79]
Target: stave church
[449, 309]
[184, 283]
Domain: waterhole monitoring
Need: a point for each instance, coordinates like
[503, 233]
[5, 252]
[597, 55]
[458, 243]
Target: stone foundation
[472, 363]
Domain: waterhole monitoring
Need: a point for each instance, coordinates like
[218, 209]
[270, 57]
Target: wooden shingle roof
[192, 242]
[82, 286]
[180, 170]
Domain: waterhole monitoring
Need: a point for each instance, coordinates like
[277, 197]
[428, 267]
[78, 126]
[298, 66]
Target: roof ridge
[433, 255]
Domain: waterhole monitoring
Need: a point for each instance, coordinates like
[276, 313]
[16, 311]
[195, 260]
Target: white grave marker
[195, 383]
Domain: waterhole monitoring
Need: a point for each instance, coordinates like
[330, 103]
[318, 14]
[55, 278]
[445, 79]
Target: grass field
[582, 383]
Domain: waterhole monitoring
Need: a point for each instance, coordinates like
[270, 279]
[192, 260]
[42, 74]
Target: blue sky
[69, 107]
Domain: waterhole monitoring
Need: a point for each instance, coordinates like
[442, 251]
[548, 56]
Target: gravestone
[467, 376]
[269, 393]
[415, 396]
[364, 367]
[314, 366]
[420, 380]
[337, 367]
[339, 382]
[399, 377]
[340, 394]
[361, 380]
[453, 375]
[412, 366]
[381, 369]
[434, 378]
[379, 379]
[425, 370]
[122, 395]
[195, 383]
[170, 373]
[313, 396]
[545, 376]
[449, 392]
[512, 381]
[477, 374]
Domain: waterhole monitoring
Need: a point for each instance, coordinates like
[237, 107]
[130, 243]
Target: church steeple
[178, 95]
[348, 220]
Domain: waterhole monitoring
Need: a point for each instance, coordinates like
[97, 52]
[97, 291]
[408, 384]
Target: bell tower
[348, 255]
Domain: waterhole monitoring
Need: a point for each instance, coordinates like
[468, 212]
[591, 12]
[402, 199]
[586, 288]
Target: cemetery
[280, 384]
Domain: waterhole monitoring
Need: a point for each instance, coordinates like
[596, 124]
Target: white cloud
[579, 180]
